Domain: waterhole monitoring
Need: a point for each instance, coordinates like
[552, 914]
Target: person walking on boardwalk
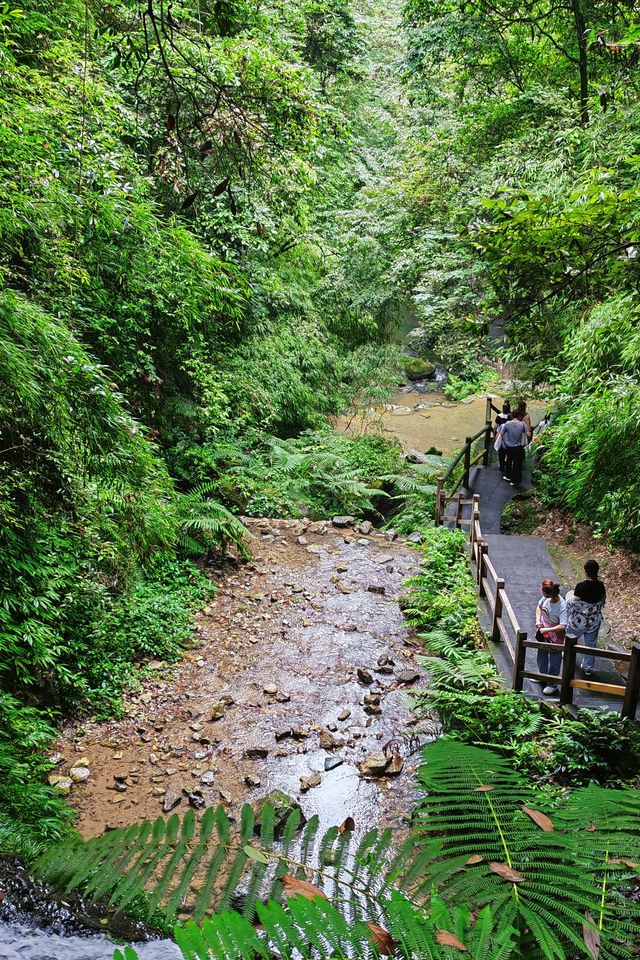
[585, 604]
[513, 433]
[551, 623]
[501, 419]
[526, 419]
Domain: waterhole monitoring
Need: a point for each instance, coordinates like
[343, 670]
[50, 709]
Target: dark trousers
[514, 461]
[502, 458]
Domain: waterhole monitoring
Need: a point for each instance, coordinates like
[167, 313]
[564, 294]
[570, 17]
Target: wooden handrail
[493, 588]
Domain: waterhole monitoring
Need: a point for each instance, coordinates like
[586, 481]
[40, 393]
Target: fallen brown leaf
[483, 789]
[625, 863]
[348, 825]
[381, 938]
[293, 887]
[541, 819]
[591, 937]
[474, 858]
[446, 939]
[506, 872]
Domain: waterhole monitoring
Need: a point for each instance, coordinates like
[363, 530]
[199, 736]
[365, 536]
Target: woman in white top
[551, 623]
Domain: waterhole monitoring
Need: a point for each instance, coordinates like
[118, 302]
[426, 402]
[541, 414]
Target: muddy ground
[271, 695]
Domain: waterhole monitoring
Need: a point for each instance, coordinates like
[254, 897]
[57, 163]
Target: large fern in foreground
[482, 840]
[479, 839]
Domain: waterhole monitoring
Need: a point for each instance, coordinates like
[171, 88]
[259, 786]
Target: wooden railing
[506, 628]
[486, 433]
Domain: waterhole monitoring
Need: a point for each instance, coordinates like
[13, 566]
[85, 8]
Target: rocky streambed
[299, 684]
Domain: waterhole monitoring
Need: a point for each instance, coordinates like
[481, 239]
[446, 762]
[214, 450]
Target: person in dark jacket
[501, 419]
[513, 433]
[584, 612]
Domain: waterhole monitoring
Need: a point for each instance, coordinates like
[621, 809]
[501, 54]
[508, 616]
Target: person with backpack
[585, 604]
[513, 434]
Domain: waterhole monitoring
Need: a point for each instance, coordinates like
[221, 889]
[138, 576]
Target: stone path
[524, 561]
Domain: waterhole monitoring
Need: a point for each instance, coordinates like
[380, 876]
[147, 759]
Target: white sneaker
[550, 690]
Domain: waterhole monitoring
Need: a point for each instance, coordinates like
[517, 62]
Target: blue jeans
[549, 661]
[586, 639]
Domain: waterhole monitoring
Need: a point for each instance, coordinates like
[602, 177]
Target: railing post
[497, 611]
[487, 445]
[519, 660]
[483, 550]
[630, 702]
[568, 670]
[467, 462]
[475, 514]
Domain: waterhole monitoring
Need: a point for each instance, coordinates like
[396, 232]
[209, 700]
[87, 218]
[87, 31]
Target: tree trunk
[581, 27]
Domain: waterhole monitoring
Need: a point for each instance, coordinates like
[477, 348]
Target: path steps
[524, 561]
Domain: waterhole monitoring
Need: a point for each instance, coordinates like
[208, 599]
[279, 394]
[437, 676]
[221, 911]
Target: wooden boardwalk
[523, 562]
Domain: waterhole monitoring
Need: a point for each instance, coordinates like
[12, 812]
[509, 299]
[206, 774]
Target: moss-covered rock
[416, 368]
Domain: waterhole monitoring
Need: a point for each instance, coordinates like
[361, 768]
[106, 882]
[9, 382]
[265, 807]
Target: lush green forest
[192, 273]
[214, 217]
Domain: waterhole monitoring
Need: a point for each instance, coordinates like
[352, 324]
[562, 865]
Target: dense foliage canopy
[525, 168]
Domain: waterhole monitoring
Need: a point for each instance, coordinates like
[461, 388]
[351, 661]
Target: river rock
[396, 765]
[195, 798]
[327, 740]
[80, 774]
[252, 781]
[414, 537]
[270, 689]
[56, 759]
[407, 676]
[63, 784]
[376, 588]
[283, 806]
[365, 527]
[217, 711]
[313, 780]
[342, 521]
[390, 535]
[364, 675]
[344, 714]
[283, 734]
[331, 763]
[299, 733]
[171, 800]
[374, 765]
[256, 753]
[207, 778]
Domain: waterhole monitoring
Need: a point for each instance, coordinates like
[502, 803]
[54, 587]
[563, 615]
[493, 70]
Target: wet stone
[408, 676]
[365, 527]
[207, 778]
[171, 800]
[283, 734]
[307, 783]
[283, 806]
[270, 689]
[376, 588]
[374, 765]
[252, 782]
[343, 521]
[364, 675]
[256, 753]
[331, 763]
[327, 740]
[344, 714]
[80, 774]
